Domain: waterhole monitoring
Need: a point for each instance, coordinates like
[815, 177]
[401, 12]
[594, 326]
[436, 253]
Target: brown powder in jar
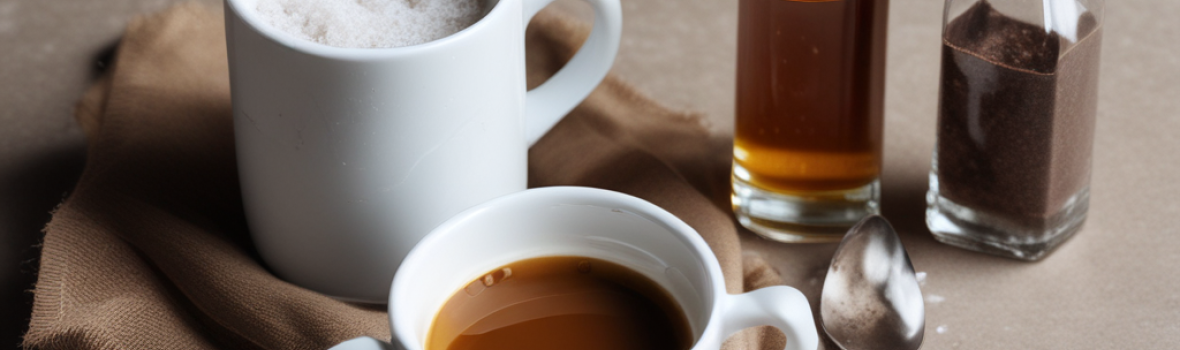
[1016, 114]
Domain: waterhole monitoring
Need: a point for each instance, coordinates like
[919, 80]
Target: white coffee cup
[579, 221]
[348, 156]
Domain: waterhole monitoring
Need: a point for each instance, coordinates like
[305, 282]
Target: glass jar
[810, 96]
[1017, 103]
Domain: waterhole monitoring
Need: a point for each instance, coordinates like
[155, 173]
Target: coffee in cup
[370, 23]
[561, 302]
[610, 227]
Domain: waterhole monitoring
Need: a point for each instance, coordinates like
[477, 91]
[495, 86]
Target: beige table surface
[1116, 285]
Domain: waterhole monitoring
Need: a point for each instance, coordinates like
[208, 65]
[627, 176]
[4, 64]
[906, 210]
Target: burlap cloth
[151, 250]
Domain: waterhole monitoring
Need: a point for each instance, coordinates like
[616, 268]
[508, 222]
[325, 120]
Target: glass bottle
[810, 95]
[1017, 102]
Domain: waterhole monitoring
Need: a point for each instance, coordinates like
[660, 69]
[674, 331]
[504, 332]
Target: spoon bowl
[871, 298]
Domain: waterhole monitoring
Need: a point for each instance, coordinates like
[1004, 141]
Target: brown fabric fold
[151, 250]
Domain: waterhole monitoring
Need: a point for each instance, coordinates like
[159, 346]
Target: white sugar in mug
[348, 156]
[579, 221]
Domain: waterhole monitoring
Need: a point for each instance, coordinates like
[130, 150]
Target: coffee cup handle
[545, 105]
[363, 343]
[780, 306]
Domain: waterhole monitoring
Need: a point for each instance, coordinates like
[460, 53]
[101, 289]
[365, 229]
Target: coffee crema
[562, 302]
[370, 23]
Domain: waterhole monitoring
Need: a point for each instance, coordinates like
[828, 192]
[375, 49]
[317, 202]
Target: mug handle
[780, 306]
[363, 343]
[545, 105]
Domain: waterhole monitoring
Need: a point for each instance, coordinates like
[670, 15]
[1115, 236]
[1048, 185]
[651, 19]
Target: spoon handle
[780, 306]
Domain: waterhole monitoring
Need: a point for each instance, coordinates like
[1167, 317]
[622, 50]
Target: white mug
[348, 156]
[579, 221]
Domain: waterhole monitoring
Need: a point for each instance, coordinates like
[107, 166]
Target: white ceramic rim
[252, 18]
[567, 195]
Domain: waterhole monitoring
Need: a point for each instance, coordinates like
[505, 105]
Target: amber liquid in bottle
[810, 81]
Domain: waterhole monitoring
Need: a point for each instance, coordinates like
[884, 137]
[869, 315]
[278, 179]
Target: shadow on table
[29, 193]
[903, 203]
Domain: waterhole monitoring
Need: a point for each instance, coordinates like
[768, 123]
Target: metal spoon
[871, 298]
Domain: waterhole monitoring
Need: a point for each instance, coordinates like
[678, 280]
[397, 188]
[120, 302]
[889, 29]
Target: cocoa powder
[1016, 114]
